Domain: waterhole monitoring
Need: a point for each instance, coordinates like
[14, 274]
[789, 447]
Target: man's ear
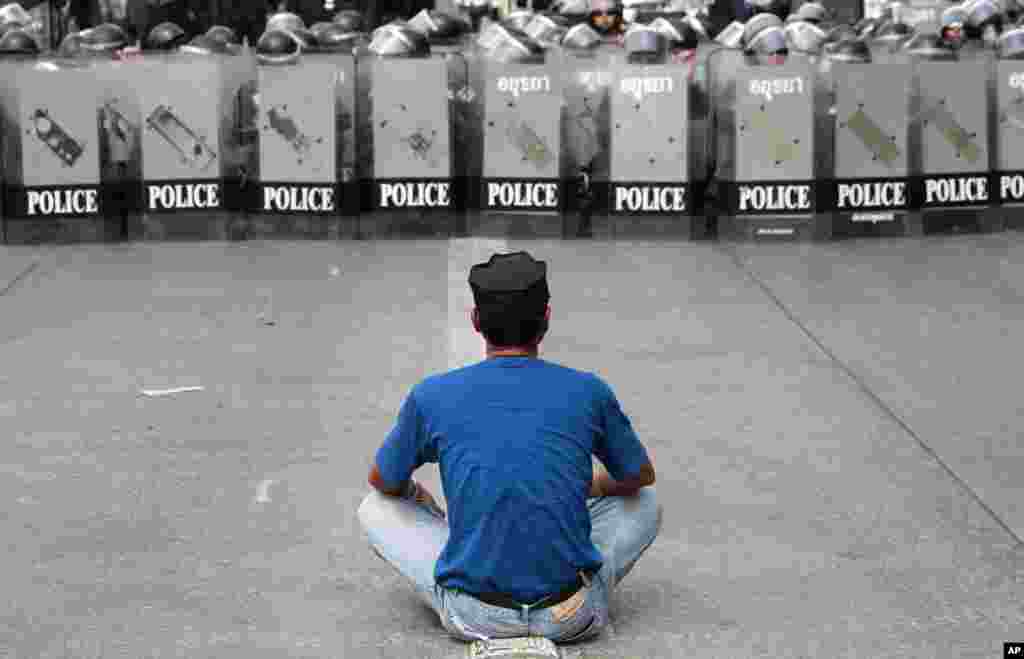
[547, 313]
[474, 316]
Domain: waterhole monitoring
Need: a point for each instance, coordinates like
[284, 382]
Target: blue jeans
[410, 539]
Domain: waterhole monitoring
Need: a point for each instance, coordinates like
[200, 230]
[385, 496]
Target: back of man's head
[511, 295]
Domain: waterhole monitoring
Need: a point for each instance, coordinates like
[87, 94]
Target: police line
[453, 134]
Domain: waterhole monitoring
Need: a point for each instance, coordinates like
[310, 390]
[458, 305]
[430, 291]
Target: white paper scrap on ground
[156, 393]
[263, 494]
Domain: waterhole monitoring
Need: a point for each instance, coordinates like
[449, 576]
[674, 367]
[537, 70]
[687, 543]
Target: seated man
[534, 541]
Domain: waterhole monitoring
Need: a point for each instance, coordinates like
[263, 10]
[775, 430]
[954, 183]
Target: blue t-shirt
[513, 437]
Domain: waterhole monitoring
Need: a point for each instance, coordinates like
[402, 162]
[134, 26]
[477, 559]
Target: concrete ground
[837, 431]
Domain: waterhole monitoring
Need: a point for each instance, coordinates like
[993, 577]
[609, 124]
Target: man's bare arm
[409, 490]
[377, 483]
[603, 485]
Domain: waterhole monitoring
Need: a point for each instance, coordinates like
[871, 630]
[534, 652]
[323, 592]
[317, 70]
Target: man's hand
[603, 485]
[411, 491]
[423, 497]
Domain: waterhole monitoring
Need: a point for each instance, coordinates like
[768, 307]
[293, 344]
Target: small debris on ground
[157, 393]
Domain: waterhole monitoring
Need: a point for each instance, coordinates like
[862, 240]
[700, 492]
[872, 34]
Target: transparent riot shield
[770, 189]
[185, 103]
[520, 191]
[651, 165]
[869, 191]
[1008, 155]
[296, 187]
[52, 164]
[411, 185]
[950, 145]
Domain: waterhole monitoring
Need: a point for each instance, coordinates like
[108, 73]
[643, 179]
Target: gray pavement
[835, 427]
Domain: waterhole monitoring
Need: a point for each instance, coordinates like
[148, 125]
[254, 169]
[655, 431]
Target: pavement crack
[868, 391]
[22, 276]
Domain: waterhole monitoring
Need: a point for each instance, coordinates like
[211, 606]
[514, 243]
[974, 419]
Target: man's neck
[511, 352]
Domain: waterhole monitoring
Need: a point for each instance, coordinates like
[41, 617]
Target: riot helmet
[103, 38]
[759, 23]
[770, 41]
[204, 45]
[606, 16]
[929, 46]
[399, 41]
[645, 45]
[851, 51]
[18, 41]
[546, 30]
[803, 37]
[278, 47]
[581, 37]
[333, 38]
[437, 26]
[285, 20]
[570, 8]
[519, 19]
[14, 13]
[166, 37]
[223, 34]
[493, 34]
[1011, 44]
[350, 20]
[732, 35]
[679, 32]
[513, 46]
[812, 12]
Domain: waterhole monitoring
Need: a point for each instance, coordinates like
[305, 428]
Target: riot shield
[651, 165]
[297, 173]
[52, 187]
[520, 191]
[410, 188]
[184, 104]
[950, 145]
[869, 192]
[1008, 156]
[769, 190]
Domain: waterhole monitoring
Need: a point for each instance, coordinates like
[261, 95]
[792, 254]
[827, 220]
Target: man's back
[514, 438]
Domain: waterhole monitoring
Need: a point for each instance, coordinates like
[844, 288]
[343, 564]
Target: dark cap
[514, 283]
